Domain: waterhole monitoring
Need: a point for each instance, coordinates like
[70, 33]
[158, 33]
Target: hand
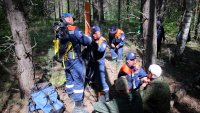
[145, 80]
[117, 46]
[144, 85]
[112, 45]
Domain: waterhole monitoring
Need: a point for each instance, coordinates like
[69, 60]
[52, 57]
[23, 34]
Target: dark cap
[95, 29]
[64, 15]
[130, 56]
[113, 29]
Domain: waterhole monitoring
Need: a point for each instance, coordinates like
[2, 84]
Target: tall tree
[101, 16]
[161, 6]
[68, 6]
[185, 26]
[23, 49]
[149, 32]
[119, 11]
[96, 11]
[77, 10]
[197, 23]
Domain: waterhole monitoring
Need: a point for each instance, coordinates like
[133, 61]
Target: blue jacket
[98, 49]
[118, 38]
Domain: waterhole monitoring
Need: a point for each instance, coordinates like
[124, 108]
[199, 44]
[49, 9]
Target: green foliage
[171, 29]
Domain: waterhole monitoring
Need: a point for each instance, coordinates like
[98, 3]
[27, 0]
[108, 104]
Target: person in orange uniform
[116, 41]
[97, 63]
[134, 73]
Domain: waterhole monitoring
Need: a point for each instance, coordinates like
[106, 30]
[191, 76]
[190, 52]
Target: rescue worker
[160, 37]
[155, 92]
[134, 73]
[74, 65]
[97, 64]
[123, 102]
[116, 41]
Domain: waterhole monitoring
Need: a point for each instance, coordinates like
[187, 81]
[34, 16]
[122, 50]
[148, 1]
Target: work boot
[107, 96]
[79, 108]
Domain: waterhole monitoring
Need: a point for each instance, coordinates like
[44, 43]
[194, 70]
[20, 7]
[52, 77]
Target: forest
[27, 49]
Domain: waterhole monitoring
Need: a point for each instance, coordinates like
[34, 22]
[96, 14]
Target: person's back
[156, 96]
[123, 102]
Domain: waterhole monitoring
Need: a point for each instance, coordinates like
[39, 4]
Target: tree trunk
[77, 14]
[127, 8]
[68, 6]
[197, 24]
[149, 32]
[101, 11]
[161, 9]
[59, 7]
[185, 26]
[119, 12]
[95, 12]
[23, 48]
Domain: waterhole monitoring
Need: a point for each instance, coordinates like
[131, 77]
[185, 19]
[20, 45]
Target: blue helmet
[130, 56]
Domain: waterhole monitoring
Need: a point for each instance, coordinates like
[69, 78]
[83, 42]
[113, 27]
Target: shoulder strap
[101, 40]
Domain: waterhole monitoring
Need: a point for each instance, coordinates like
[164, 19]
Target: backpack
[44, 97]
[61, 41]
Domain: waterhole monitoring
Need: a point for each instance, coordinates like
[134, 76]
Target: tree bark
[119, 11]
[77, 12]
[185, 26]
[161, 9]
[197, 24]
[95, 12]
[23, 48]
[101, 11]
[68, 6]
[149, 32]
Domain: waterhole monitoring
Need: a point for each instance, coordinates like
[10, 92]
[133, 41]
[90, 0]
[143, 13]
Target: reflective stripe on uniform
[78, 91]
[69, 86]
[71, 32]
[106, 89]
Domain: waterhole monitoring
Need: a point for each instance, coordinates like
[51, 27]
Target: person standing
[97, 52]
[160, 37]
[73, 38]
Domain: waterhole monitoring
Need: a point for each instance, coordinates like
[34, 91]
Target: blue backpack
[44, 97]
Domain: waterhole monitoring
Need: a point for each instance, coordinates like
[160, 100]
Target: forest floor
[183, 78]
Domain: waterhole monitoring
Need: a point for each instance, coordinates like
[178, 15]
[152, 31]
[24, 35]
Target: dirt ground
[183, 78]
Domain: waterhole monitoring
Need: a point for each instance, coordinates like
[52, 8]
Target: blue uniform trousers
[117, 53]
[75, 78]
[99, 76]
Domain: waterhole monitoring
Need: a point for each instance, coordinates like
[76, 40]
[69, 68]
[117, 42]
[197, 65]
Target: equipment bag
[44, 97]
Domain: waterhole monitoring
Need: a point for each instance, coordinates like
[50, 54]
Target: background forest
[137, 18]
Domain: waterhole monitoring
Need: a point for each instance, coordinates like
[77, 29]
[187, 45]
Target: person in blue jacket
[116, 41]
[134, 73]
[97, 63]
[73, 62]
[160, 37]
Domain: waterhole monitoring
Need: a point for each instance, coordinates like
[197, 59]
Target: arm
[142, 75]
[102, 47]
[122, 41]
[83, 39]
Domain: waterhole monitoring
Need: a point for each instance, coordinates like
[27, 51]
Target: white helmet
[155, 70]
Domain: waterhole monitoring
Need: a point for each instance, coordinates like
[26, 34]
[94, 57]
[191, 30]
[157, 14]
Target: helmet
[155, 70]
[130, 56]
